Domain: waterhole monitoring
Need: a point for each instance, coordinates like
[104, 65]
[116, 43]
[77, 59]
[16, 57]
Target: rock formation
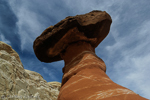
[16, 83]
[74, 40]
[54, 39]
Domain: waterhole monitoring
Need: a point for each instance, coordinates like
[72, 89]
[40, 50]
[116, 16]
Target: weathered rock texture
[55, 39]
[16, 83]
[74, 40]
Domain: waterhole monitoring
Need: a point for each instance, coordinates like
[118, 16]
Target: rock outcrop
[17, 83]
[74, 40]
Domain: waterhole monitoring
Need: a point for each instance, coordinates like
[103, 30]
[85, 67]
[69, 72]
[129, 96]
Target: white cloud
[29, 26]
[50, 73]
[2, 38]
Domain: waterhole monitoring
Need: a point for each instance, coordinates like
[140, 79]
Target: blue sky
[125, 50]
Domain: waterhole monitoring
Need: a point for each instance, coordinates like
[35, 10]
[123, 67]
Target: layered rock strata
[17, 83]
[85, 78]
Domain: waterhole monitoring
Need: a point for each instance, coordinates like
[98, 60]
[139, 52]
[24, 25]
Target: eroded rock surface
[92, 27]
[16, 83]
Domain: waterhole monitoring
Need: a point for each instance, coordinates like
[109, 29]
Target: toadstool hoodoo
[74, 40]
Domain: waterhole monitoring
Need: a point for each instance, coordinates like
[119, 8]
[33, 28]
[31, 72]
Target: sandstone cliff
[16, 83]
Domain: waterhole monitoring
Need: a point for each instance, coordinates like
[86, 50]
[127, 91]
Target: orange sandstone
[85, 78]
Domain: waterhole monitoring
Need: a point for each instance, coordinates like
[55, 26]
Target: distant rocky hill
[17, 83]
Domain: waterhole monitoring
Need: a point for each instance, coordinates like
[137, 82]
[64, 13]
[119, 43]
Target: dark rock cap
[92, 27]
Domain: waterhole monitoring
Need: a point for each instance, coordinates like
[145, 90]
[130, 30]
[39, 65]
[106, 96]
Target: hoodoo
[74, 40]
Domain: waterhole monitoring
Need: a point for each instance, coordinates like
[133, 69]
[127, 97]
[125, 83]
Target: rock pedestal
[74, 40]
[85, 78]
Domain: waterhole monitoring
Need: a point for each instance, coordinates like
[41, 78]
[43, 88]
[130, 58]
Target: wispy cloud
[8, 27]
[50, 73]
[28, 25]
[2, 38]
[132, 59]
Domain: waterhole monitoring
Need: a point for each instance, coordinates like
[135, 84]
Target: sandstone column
[85, 78]
[74, 40]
